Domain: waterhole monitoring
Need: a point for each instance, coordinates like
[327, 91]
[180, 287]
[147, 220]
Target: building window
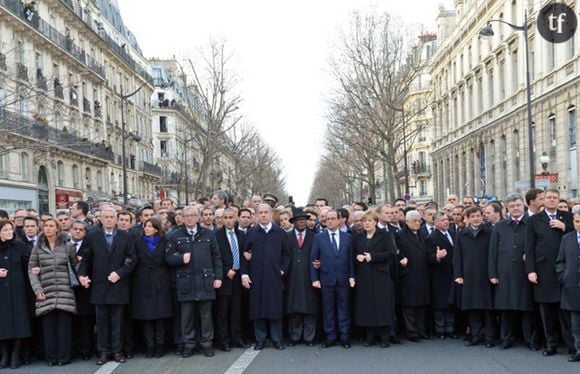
[490, 89]
[163, 148]
[572, 127]
[3, 165]
[24, 166]
[76, 176]
[422, 136]
[59, 173]
[551, 56]
[552, 129]
[501, 76]
[570, 48]
[99, 181]
[423, 187]
[88, 179]
[162, 124]
[515, 80]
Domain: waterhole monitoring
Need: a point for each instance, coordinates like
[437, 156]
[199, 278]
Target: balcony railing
[86, 105]
[58, 89]
[41, 83]
[98, 110]
[3, 62]
[116, 48]
[44, 28]
[46, 136]
[150, 168]
[22, 72]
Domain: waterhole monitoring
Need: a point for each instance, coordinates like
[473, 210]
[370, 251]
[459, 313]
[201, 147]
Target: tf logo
[557, 22]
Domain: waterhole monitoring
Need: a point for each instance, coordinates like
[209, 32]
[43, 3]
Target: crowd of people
[212, 274]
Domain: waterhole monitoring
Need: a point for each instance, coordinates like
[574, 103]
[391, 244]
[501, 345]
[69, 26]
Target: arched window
[88, 179]
[99, 181]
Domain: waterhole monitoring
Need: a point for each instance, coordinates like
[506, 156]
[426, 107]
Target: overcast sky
[282, 50]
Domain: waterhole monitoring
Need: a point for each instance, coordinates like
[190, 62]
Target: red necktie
[300, 240]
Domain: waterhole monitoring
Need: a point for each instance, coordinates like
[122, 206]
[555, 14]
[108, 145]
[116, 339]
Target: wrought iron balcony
[46, 136]
[150, 168]
[22, 72]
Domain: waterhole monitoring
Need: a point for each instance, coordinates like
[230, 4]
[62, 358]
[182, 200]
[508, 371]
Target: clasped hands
[365, 256]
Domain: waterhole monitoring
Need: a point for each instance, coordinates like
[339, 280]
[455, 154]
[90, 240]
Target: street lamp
[487, 31]
[545, 160]
[123, 140]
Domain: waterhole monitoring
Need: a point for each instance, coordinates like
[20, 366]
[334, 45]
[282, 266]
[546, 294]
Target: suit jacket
[568, 271]
[299, 295]
[414, 277]
[228, 259]
[443, 289]
[120, 259]
[336, 267]
[542, 245]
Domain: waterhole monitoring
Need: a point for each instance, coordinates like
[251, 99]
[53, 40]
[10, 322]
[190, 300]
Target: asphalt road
[434, 356]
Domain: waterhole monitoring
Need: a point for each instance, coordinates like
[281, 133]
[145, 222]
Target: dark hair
[244, 210]
[171, 218]
[146, 207]
[31, 218]
[400, 199]
[5, 222]
[532, 194]
[125, 213]
[83, 206]
[362, 205]
[322, 199]
[156, 223]
[343, 213]
[473, 209]
[203, 200]
[4, 214]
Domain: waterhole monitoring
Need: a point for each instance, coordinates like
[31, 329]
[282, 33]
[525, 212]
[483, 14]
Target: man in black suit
[544, 233]
[333, 249]
[428, 227]
[229, 296]
[440, 254]
[568, 270]
[302, 304]
[111, 255]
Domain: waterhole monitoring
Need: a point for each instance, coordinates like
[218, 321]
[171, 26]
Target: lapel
[377, 236]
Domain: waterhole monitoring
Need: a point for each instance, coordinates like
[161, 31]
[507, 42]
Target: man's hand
[113, 277]
[85, 281]
[217, 283]
[246, 282]
[533, 278]
[316, 284]
[441, 253]
[557, 224]
[248, 255]
[231, 274]
[459, 280]
[360, 258]
[352, 282]
[316, 264]
[494, 280]
[186, 258]
[41, 296]
[404, 262]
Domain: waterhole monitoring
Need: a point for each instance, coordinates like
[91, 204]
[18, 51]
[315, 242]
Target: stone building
[479, 101]
[66, 69]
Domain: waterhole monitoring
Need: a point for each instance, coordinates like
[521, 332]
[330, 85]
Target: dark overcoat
[414, 278]
[470, 262]
[194, 281]
[228, 259]
[542, 245]
[443, 287]
[270, 260]
[374, 287]
[506, 263]
[83, 295]
[568, 271]
[120, 259]
[151, 289]
[299, 295]
[14, 307]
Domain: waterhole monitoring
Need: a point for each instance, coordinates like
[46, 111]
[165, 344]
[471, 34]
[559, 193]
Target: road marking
[243, 362]
[107, 368]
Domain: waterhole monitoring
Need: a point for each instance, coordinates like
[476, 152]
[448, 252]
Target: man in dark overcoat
[470, 269]
[267, 261]
[507, 271]
[544, 232]
[229, 297]
[194, 253]
[111, 255]
[568, 271]
[413, 275]
[302, 301]
[440, 255]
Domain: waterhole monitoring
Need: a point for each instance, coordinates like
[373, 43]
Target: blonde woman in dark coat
[55, 299]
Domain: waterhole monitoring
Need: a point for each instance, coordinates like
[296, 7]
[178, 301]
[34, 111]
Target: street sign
[557, 23]
[407, 197]
[550, 178]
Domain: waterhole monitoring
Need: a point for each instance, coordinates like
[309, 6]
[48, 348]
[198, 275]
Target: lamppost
[123, 140]
[487, 31]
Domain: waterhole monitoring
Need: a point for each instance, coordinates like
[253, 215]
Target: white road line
[107, 368]
[243, 362]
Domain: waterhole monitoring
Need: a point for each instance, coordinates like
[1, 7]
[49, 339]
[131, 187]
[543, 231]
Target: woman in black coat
[374, 289]
[151, 291]
[15, 323]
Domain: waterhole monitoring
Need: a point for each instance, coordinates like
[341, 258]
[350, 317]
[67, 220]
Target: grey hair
[221, 195]
[513, 197]
[262, 205]
[190, 208]
[412, 214]
[576, 209]
[438, 215]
